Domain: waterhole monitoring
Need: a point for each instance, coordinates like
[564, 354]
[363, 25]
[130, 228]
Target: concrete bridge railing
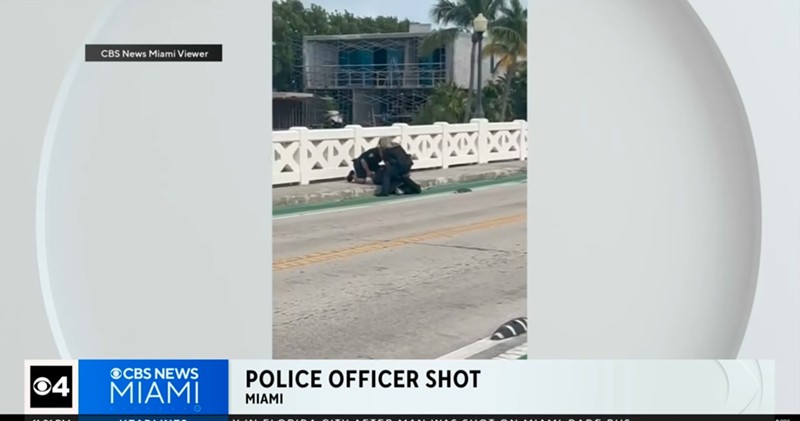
[301, 155]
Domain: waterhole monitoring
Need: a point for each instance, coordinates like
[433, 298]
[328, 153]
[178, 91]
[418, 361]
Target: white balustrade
[301, 155]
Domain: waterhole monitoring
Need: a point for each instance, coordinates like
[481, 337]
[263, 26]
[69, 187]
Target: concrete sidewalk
[340, 190]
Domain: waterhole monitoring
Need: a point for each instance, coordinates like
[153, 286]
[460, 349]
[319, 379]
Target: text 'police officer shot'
[286, 379]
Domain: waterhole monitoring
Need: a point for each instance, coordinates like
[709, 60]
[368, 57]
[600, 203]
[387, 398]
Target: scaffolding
[372, 63]
[374, 79]
[376, 107]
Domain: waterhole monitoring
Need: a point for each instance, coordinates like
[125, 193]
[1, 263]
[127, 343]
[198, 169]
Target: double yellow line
[328, 256]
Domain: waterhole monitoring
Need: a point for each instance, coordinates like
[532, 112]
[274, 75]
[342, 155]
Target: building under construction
[380, 79]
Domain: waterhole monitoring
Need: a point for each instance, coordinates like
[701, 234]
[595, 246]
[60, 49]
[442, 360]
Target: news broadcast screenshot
[353, 210]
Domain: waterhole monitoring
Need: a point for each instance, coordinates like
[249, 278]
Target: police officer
[365, 166]
[398, 167]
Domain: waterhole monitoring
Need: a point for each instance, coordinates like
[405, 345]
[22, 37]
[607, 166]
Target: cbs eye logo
[51, 386]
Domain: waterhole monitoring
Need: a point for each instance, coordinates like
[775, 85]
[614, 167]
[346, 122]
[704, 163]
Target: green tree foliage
[505, 97]
[448, 102]
[456, 16]
[291, 21]
[509, 41]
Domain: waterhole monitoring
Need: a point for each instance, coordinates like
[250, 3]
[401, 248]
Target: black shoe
[351, 176]
[413, 187]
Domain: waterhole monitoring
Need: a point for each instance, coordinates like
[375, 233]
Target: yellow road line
[327, 256]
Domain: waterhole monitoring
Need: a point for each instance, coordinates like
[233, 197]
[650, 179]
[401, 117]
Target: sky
[414, 10]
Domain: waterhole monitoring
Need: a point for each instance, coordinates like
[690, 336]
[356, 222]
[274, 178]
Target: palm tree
[456, 16]
[509, 35]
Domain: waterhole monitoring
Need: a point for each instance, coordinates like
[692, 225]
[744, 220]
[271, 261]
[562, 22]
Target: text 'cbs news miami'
[127, 387]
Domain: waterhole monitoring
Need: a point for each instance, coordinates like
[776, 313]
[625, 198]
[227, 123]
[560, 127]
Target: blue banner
[142, 387]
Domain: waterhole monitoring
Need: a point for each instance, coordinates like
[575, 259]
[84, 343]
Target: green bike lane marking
[370, 199]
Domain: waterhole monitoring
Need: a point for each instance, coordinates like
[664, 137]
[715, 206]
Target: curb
[369, 190]
[514, 347]
[516, 353]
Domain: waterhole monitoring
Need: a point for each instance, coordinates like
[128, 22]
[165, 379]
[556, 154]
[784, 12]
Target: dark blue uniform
[373, 159]
[397, 171]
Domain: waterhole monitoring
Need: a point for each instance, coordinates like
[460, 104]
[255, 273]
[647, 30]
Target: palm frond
[491, 8]
[451, 13]
[495, 49]
[438, 39]
[506, 35]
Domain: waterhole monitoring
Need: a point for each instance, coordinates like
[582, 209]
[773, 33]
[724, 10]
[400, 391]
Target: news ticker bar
[154, 52]
[401, 417]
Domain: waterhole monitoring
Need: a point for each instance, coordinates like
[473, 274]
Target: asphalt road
[416, 278]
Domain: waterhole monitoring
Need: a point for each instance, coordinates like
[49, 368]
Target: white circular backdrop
[644, 203]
